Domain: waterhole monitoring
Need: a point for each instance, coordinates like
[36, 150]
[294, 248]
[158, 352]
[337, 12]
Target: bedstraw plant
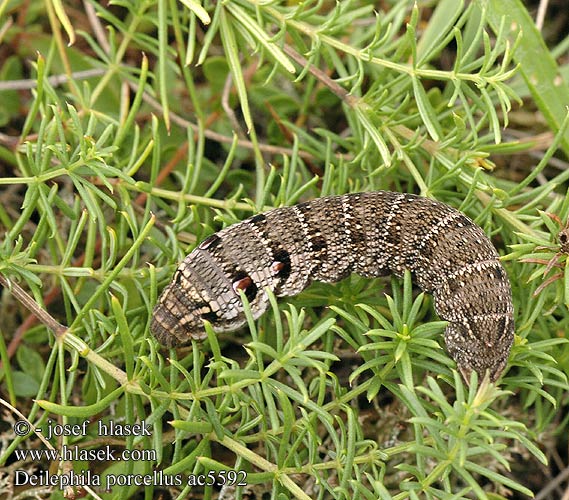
[132, 130]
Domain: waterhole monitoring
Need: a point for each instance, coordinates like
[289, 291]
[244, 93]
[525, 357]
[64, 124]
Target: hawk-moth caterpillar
[371, 234]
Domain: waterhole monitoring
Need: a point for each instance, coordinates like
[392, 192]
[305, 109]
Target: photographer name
[110, 428]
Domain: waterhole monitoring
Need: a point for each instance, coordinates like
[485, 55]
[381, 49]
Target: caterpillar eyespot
[371, 234]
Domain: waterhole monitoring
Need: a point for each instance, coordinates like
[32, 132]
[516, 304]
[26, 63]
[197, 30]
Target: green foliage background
[162, 122]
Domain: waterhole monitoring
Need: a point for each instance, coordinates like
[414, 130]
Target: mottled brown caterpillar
[371, 234]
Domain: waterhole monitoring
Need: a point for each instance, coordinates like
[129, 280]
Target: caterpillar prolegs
[371, 234]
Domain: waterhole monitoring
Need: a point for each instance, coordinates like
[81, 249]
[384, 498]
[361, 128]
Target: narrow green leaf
[440, 23]
[566, 283]
[192, 427]
[231, 50]
[426, 110]
[63, 19]
[361, 110]
[198, 10]
[256, 31]
[125, 334]
[163, 60]
[6, 372]
[538, 68]
[498, 478]
[83, 412]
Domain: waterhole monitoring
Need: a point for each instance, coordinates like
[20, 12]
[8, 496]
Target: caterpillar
[371, 234]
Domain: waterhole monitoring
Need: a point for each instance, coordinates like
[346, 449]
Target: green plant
[175, 120]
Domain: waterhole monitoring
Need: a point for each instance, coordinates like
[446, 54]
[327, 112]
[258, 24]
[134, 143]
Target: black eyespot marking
[257, 219]
[210, 316]
[242, 281]
[463, 221]
[318, 243]
[282, 257]
[498, 272]
[210, 242]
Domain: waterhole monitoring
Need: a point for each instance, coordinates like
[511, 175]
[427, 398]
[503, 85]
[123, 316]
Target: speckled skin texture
[371, 234]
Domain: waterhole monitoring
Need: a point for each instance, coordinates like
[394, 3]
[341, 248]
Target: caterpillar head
[481, 344]
[178, 317]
